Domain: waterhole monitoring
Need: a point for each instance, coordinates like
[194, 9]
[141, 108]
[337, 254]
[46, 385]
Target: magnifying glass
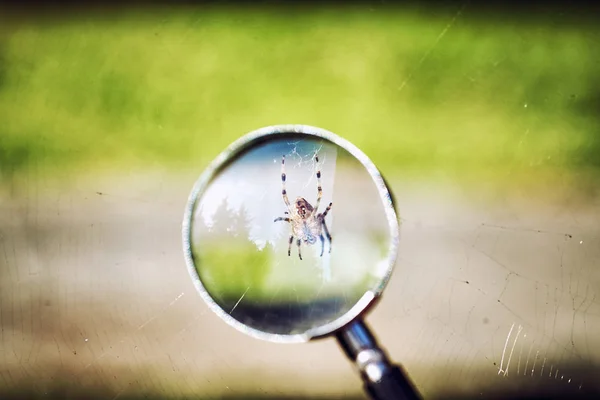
[291, 235]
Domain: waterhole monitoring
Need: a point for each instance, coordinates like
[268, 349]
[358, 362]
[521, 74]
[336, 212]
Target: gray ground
[492, 292]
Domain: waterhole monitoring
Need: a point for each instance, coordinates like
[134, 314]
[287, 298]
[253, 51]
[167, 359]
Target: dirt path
[487, 296]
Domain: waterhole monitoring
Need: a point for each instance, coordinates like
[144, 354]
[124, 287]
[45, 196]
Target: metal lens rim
[243, 144]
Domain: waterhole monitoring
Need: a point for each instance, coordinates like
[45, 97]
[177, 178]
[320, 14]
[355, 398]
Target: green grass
[228, 271]
[231, 267]
[173, 88]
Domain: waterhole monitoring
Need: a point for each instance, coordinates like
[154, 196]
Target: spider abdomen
[309, 237]
[308, 231]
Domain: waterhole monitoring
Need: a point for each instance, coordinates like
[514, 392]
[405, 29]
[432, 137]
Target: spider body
[304, 227]
[303, 208]
[306, 223]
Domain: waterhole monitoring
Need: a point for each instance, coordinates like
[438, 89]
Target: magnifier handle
[394, 385]
[383, 380]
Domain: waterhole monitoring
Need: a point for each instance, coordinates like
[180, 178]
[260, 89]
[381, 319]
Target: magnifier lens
[297, 269]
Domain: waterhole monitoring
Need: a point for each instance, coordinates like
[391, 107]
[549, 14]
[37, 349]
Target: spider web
[306, 159]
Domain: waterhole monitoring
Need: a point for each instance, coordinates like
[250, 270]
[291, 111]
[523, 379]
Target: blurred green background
[419, 89]
[453, 90]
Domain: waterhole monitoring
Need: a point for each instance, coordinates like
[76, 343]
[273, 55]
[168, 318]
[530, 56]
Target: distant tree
[221, 219]
[248, 221]
[239, 223]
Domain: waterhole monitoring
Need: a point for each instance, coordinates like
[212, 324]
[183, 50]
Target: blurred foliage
[232, 268]
[417, 91]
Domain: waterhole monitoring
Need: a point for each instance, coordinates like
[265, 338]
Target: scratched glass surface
[286, 269]
[484, 122]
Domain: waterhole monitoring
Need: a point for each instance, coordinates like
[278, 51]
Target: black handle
[383, 380]
[394, 385]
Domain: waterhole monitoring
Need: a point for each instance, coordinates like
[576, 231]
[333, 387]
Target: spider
[306, 224]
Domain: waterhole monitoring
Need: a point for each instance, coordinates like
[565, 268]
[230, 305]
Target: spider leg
[326, 211]
[299, 243]
[283, 191]
[322, 244]
[319, 188]
[326, 232]
[282, 219]
[290, 245]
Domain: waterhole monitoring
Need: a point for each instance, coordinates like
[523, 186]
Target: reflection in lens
[277, 254]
